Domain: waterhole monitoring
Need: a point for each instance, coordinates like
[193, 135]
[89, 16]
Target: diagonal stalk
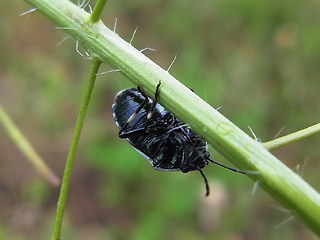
[278, 180]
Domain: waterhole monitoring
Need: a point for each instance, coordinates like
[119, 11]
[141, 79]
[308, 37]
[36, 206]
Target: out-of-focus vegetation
[259, 60]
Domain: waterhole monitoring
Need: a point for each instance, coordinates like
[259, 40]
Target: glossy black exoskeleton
[158, 135]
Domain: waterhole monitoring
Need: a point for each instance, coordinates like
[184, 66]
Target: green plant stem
[249, 155]
[95, 15]
[26, 148]
[73, 147]
[293, 137]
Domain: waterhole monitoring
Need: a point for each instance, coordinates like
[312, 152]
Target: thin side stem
[96, 13]
[26, 148]
[73, 147]
[293, 137]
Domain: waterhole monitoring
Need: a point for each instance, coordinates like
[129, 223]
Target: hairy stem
[72, 151]
[252, 157]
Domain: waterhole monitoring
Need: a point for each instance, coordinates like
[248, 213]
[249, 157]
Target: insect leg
[142, 92]
[139, 131]
[131, 133]
[145, 101]
[154, 102]
[156, 95]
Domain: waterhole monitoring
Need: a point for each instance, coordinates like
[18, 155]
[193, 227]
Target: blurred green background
[259, 60]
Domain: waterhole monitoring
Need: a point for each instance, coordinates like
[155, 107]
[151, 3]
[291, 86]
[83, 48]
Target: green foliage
[258, 60]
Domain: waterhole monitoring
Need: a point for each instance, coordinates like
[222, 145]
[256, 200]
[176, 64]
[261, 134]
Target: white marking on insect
[132, 117]
[149, 115]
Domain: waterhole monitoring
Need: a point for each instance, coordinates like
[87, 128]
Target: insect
[166, 142]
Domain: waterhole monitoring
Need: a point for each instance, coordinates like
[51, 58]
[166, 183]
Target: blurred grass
[259, 60]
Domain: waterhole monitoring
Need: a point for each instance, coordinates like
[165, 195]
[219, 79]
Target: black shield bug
[158, 135]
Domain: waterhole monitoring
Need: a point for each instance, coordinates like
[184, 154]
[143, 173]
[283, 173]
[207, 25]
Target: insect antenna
[205, 181]
[221, 165]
